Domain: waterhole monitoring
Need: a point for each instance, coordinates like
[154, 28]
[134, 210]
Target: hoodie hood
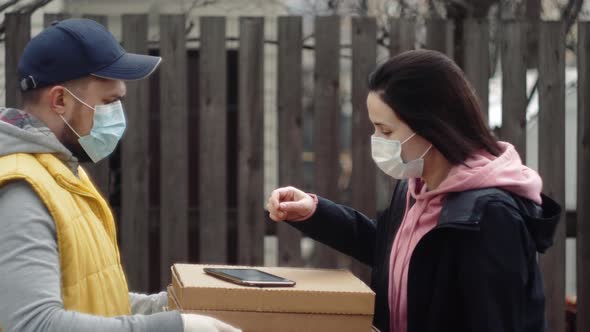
[21, 132]
[484, 170]
[541, 221]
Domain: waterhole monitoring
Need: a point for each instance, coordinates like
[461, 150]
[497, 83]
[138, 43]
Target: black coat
[475, 271]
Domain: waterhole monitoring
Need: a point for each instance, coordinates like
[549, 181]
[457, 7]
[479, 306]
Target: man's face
[94, 91]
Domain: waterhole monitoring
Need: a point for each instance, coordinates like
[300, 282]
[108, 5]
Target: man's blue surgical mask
[108, 128]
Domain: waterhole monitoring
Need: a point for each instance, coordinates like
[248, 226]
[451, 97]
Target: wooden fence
[187, 182]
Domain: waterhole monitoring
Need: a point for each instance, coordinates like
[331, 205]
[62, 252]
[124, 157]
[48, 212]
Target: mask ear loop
[83, 103]
[425, 152]
[78, 99]
[67, 124]
[409, 138]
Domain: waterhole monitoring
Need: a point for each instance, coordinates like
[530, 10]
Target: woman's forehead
[379, 111]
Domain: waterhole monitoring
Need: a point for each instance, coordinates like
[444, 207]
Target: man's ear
[57, 99]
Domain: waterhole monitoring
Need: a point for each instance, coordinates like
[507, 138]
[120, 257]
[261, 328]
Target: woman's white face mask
[387, 154]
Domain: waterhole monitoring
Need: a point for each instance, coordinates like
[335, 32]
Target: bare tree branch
[195, 4]
[189, 28]
[27, 9]
[571, 12]
[362, 8]
[8, 4]
[32, 7]
[308, 37]
[402, 8]
[333, 5]
[462, 3]
[200, 3]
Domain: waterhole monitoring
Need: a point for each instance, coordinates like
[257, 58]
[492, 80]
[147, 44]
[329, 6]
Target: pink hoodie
[485, 170]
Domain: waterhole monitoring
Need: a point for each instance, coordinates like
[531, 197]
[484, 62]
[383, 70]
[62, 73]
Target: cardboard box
[322, 300]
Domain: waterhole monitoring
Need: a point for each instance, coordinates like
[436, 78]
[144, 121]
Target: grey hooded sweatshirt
[30, 292]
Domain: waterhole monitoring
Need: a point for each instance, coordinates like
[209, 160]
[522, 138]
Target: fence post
[135, 163]
[173, 144]
[477, 58]
[17, 35]
[251, 221]
[583, 196]
[439, 36]
[99, 172]
[364, 56]
[213, 205]
[290, 113]
[402, 35]
[514, 94]
[326, 120]
[551, 160]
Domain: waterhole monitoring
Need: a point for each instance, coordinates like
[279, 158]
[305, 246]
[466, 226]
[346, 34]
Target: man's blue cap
[75, 48]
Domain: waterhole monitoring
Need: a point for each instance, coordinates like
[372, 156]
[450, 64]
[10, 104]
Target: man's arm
[30, 274]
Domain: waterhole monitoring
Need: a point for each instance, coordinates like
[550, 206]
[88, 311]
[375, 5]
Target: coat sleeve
[493, 269]
[342, 228]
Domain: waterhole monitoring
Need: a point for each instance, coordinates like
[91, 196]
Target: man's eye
[110, 101]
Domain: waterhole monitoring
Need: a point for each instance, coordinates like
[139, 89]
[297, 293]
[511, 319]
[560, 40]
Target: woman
[456, 249]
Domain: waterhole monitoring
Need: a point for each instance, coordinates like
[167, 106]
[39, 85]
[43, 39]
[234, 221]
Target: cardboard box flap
[316, 291]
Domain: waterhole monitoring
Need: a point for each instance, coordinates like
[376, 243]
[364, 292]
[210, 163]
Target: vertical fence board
[290, 113]
[49, 18]
[439, 36]
[514, 94]
[402, 35]
[213, 141]
[477, 58]
[326, 119]
[583, 204]
[100, 172]
[135, 164]
[364, 56]
[173, 144]
[17, 35]
[551, 160]
[251, 136]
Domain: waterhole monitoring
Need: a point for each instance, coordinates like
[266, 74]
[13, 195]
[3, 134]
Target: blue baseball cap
[75, 48]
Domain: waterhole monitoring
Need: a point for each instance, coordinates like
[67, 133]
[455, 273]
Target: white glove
[198, 323]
